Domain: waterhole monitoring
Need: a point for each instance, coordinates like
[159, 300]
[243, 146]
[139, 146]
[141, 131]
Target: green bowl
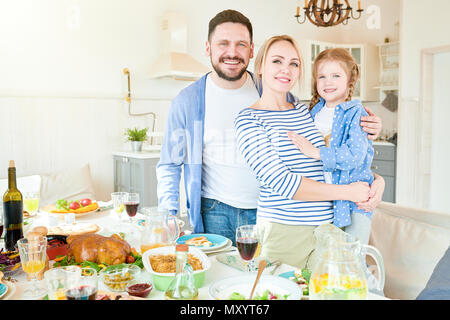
[161, 281]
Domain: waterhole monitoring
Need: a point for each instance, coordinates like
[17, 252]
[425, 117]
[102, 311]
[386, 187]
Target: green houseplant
[137, 137]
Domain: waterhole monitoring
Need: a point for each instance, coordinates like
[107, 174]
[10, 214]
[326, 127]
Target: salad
[9, 261]
[301, 277]
[266, 295]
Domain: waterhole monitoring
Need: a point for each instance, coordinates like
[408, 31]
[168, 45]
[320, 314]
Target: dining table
[110, 222]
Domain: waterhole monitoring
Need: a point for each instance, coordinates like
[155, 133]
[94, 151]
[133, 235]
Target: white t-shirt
[225, 175]
[324, 122]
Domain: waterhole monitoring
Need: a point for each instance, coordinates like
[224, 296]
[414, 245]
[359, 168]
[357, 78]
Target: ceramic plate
[3, 290]
[217, 241]
[223, 289]
[51, 207]
[11, 290]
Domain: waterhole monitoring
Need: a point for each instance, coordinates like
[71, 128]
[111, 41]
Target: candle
[298, 11]
[306, 3]
[359, 4]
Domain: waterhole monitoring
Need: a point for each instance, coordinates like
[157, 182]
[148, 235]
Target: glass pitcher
[340, 271]
[160, 229]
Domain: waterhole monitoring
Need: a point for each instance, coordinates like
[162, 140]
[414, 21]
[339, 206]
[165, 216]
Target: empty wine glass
[247, 243]
[131, 205]
[33, 254]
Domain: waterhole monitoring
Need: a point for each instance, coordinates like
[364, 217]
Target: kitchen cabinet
[136, 172]
[366, 56]
[389, 66]
[384, 164]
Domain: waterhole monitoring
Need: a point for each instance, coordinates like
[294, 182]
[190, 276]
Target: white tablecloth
[110, 223]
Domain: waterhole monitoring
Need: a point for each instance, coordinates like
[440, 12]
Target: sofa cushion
[411, 241]
[24, 184]
[69, 185]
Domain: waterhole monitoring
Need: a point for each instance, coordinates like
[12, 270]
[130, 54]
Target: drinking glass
[31, 202]
[247, 243]
[131, 205]
[1, 221]
[33, 254]
[86, 286]
[60, 278]
[118, 199]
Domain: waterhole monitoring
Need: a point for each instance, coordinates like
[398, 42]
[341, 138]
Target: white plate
[75, 228]
[227, 246]
[11, 290]
[222, 289]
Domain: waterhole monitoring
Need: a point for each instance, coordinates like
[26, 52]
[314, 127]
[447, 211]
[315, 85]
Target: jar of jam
[139, 289]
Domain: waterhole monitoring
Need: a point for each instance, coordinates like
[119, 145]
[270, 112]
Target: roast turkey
[99, 249]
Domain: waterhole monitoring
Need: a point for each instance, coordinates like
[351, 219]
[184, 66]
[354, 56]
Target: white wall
[419, 29]
[439, 173]
[62, 85]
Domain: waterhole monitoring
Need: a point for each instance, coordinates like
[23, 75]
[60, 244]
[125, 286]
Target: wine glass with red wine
[247, 243]
[132, 204]
[1, 222]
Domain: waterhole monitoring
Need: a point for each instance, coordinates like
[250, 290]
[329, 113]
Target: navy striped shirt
[279, 165]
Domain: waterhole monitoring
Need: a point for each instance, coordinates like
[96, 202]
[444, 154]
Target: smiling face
[230, 50]
[281, 68]
[332, 82]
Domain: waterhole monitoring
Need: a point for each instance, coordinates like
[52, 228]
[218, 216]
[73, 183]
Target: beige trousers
[293, 245]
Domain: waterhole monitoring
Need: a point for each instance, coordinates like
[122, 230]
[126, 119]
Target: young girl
[348, 153]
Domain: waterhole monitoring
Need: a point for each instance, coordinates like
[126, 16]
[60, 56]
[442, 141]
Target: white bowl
[222, 289]
[162, 280]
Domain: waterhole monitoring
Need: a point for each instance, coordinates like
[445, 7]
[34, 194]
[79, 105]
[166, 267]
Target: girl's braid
[353, 79]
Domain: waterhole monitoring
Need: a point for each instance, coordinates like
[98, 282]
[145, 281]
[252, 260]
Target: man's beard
[222, 75]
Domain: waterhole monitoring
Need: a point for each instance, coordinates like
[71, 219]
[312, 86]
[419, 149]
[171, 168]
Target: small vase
[136, 146]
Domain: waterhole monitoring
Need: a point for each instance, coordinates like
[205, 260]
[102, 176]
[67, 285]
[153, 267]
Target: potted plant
[137, 137]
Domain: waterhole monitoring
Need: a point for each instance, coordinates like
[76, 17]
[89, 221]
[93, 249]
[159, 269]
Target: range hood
[174, 62]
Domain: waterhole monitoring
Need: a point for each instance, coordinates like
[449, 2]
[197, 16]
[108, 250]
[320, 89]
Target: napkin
[236, 262]
[102, 206]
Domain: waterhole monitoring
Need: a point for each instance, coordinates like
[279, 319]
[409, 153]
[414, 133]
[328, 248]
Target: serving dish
[162, 280]
[224, 289]
[52, 207]
[117, 277]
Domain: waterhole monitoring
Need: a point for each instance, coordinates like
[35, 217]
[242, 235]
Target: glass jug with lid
[340, 271]
[160, 229]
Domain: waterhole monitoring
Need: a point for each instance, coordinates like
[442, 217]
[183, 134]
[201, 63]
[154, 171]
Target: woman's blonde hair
[347, 62]
[262, 53]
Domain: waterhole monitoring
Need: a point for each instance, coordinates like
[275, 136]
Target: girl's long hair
[347, 62]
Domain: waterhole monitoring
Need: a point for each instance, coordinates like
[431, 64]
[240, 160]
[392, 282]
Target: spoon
[262, 265]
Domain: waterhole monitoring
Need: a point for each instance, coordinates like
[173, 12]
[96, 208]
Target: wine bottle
[13, 210]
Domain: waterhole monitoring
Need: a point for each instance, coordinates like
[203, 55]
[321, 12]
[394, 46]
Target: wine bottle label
[14, 226]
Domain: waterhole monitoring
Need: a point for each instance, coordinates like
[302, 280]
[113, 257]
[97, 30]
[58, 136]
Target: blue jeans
[220, 218]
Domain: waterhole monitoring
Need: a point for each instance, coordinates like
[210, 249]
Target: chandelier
[329, 13]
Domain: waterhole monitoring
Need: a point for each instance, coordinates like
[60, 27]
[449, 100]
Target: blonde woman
[293, 197]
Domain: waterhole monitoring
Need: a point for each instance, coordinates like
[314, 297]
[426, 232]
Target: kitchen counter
[138, 155]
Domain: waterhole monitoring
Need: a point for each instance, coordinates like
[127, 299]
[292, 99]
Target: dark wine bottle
[12, 210]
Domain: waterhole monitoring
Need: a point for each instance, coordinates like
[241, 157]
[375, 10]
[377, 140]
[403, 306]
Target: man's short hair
[229, 16]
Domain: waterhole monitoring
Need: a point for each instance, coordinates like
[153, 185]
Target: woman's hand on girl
[359, 192]
[371, 124]
[375, 195]
[304, 145]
